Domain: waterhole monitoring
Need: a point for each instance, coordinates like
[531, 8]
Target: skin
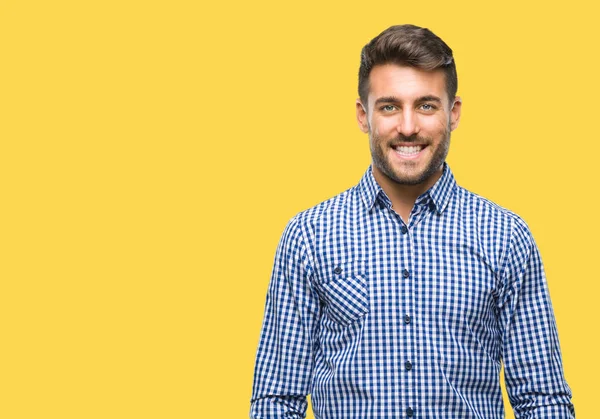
[407, 106]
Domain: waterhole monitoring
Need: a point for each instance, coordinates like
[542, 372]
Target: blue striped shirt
[375, 318]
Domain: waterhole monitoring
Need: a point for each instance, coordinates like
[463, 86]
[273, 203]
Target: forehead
[405, 83]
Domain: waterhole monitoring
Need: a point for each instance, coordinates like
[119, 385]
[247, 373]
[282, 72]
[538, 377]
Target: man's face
[409, 119]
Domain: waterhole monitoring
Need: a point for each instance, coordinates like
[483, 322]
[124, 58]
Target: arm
[530, 349]
[284, 360]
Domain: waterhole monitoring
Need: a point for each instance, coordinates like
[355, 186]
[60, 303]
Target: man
[403, 296]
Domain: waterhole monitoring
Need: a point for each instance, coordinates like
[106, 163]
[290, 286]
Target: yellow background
[152, 153]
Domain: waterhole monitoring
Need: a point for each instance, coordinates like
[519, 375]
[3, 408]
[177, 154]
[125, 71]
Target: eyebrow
[393, 99]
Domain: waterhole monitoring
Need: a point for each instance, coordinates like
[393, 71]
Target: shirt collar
[439, 194]
[442, 190]
[369, 189]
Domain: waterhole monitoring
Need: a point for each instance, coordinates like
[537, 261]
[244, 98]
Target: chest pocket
[344, 291]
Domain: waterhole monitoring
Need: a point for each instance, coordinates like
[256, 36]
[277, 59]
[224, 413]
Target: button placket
[405, 276]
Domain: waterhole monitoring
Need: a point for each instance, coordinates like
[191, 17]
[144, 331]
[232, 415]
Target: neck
[404, 196]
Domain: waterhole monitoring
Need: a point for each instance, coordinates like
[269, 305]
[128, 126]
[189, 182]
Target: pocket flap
[345, 291]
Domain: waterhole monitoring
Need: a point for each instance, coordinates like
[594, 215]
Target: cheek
[435, 126]
[383, 127]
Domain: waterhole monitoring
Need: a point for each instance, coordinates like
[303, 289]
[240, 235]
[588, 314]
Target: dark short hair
[407, 45]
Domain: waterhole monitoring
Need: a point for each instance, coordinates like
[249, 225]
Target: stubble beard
[378, 154]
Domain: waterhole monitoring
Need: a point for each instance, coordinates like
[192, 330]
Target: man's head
[411, 46]
[408, 104]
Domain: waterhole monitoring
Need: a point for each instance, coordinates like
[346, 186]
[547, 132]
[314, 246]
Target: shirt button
[403, 230]
[431, 206]
[405, 273]
[409, 412]
[337, 270]
[406, 319]
[408, 365]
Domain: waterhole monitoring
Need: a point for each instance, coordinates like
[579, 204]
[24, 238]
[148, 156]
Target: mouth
[409, 151]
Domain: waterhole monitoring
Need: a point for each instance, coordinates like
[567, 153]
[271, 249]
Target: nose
[408, 123]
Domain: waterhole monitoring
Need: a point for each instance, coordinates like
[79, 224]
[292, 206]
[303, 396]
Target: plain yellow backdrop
[153, 151]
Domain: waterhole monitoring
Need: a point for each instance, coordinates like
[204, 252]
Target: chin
[414, 177]
[409, 180]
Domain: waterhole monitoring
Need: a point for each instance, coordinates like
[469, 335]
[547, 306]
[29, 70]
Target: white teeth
[408, 150]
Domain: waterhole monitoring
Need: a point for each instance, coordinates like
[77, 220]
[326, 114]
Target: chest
[443, 267]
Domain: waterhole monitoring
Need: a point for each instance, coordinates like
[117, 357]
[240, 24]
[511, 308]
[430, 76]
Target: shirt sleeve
[284, 360]
[530, 348]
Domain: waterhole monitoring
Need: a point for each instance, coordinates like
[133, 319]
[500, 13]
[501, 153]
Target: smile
[408, 152]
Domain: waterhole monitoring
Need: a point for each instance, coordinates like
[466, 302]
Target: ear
[362, 117]
[455, 113]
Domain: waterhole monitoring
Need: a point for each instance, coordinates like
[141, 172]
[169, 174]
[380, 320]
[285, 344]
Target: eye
[388, 108]
[428, 107]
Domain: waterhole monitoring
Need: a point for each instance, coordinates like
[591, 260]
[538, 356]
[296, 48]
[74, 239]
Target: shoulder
[328, 221]
[331, 208]
[491, 215]
[480, 204]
